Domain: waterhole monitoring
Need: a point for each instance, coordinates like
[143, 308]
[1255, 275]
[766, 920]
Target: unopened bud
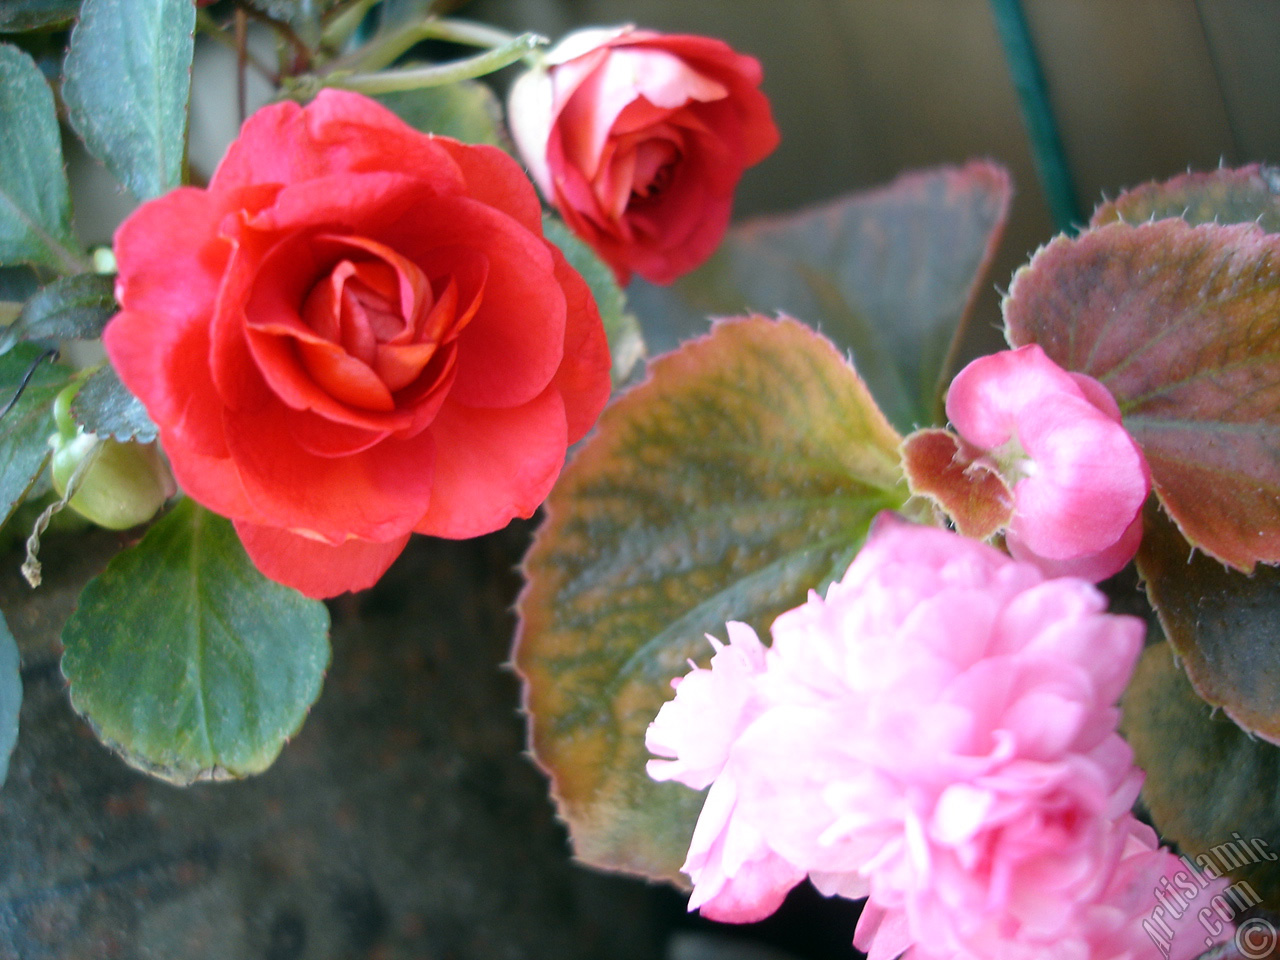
[120, 485]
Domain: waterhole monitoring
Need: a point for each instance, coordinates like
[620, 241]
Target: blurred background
[865, 89]
[405, 822]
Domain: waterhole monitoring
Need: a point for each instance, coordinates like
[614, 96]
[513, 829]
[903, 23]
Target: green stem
[387, 50]
[345, 23]
[469, 33]
[415, 78]
[306, 22]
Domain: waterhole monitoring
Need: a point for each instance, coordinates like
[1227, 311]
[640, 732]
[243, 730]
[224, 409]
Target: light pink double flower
[938, 733]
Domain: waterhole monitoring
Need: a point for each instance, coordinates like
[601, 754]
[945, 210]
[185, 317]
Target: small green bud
[123, 486]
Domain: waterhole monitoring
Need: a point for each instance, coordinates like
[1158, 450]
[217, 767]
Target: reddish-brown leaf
[940, 466]
[1182, 324]
[1221, 622]
[1211, 788]
[1246, 195]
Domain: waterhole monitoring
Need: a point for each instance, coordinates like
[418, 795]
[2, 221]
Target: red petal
[512, 347]
[317, 569]
[175, 235]
[497, 181]
[741, 73]
[338, 132]
[343, 377]
[493, 465]
[324, 438]
[272, 297]
[374, 495]
[212, 482]
[364, 204]
[165, 363]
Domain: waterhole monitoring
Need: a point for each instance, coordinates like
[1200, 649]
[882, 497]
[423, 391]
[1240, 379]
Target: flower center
[378, 324]
[655, 168]
[1013, 462]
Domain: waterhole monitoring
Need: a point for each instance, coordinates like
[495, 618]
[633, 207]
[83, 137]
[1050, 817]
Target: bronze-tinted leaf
[743, 472]
[1182, 325]
[1210, 787]
[1247, 195]
[971, 491]
[1224, 624]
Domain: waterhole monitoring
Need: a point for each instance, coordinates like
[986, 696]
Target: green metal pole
[1037, 114]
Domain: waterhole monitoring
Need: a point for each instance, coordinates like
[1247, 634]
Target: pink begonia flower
[709, 713]
[939, 731]
[1079, 479]
[737, 878]
[1124, 922]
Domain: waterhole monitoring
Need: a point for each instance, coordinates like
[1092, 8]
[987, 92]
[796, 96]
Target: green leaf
[626, 345]
[19, 15]
[70, 308]
[743, 472]
[35, 207]
[187, 661]
[467, 111]
[1223, 624]
[18, 284]
[10, 696]
[105, 406]
[1182, 325]
[25, 430]
[127, 78]
[1210, 787]
[1246, 195]
[890, 275]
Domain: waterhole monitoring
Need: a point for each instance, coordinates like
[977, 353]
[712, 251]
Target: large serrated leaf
[743, 472]
[1224, 624]
[35, 206]
[890, 275]
[1210, 787]
[105, 406]
[127, 78]
[25, 429]
[187, 661]
[1245, 195]
[622, 329]
[10, 696]
[1182, 324]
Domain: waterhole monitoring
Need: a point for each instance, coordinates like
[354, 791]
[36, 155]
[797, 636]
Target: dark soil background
[405, 822]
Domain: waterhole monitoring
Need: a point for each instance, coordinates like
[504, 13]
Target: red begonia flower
[356, 332]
